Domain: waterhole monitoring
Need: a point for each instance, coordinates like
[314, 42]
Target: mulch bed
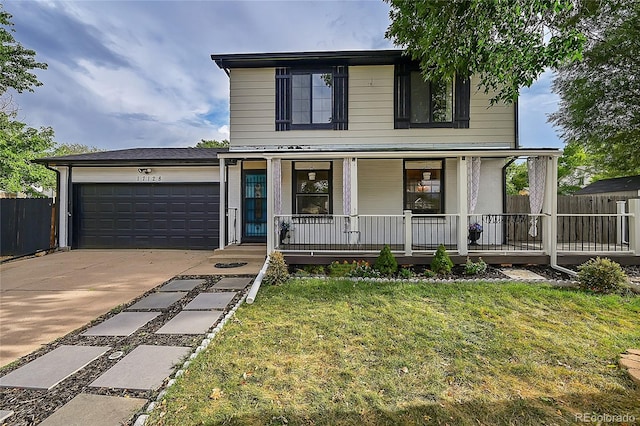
[32, 406]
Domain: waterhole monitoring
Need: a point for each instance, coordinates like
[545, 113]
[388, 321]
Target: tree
[507, 44]
[73, 149]
[517, 178]
[212, 143]
[16, 62]
[599, 109]
[19, 145]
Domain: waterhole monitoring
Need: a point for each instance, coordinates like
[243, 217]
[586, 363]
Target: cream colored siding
[159, 174]
[371, 116]
[380, 187]
[451, 185]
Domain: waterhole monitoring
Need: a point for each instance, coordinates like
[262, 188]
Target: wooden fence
[602, 230]
[25, 225]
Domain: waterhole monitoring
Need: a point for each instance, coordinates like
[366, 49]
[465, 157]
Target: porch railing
[417, 233]
[506, 232]
[599, 233]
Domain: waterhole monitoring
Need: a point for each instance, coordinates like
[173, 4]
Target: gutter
[253, 291]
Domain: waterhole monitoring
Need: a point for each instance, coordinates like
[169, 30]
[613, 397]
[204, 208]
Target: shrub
[386, 263]
[602, 275]
[441, 263]
[428, 273]
[405, 273]
[277, 271]
[337, 269]
[475, 268]
[364, 270]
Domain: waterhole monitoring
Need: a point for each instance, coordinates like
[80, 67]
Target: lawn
[352, 353]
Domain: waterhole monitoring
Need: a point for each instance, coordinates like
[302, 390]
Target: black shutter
[401, 96]
[340, 98]
[283, 99]
[463, 96]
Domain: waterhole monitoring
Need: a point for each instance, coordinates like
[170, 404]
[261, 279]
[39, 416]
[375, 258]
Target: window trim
[443, 162]
[402, 101]
[294, 188]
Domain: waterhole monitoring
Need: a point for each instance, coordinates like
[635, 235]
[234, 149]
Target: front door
[254, 206]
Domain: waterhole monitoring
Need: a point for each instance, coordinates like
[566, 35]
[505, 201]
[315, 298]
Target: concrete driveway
[44, 298]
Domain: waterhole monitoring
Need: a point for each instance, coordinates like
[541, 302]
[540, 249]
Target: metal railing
[429, 231]
[505, 232]
[593, 232]
[318, 233]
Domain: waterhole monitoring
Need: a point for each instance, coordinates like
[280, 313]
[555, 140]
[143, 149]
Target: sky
[138, 74]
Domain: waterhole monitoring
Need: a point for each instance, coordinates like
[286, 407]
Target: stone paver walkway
[105, 411]
[52, 368]
[145, 368]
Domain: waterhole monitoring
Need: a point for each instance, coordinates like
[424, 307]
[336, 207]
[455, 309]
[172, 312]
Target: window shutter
[463, 96]
[283, 99]
[401, 95]
[340, 98]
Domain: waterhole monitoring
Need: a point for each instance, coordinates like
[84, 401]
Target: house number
[149, 179]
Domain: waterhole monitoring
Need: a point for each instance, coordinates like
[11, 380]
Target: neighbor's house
[628, 186]
[343, 152]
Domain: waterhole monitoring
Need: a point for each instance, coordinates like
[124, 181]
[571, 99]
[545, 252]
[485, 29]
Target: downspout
[253, 291]
[56, 217]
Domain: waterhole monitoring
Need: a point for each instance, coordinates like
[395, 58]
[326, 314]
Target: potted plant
[475, 229]
[284, 231]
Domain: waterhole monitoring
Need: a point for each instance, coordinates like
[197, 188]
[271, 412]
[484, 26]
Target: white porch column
[550, 208]
[63, 207]
[463, 208]
[223, 211]
[634, 226]
[354, 186]
[270, 208]
[620, 221]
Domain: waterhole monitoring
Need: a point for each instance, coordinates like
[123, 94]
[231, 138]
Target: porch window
[311, 99]
[312, 192]
[420, 103]
[424, 186]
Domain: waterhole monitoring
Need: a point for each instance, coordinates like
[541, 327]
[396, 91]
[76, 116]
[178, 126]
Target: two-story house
[346, 151]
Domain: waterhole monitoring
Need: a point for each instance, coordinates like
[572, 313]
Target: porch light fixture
[312, 175]
[146, 171]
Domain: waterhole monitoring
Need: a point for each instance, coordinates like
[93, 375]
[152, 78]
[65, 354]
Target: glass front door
[254, 227]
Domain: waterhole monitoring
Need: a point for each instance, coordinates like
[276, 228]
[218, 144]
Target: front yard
[341, 352]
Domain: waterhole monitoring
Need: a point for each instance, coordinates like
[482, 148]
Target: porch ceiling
[324, 154]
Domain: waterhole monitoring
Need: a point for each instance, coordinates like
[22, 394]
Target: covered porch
[416, 200]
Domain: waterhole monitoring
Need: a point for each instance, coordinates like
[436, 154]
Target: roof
[286, 59]
[628, 183]
[139, 155]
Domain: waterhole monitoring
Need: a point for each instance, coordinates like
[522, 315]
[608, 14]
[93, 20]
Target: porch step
[243, 253]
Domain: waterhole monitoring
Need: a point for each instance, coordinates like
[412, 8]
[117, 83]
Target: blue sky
[126, 74]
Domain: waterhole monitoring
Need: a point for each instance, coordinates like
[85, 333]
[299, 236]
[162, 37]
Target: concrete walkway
[46, 297]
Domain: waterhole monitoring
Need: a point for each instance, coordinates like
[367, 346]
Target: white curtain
[473, 182]
[537, 167]
[346, 186]
[277, 186]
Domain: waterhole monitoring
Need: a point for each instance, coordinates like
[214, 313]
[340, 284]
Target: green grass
[339, 352]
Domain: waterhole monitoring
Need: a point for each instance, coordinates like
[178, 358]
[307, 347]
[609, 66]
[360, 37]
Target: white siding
[159, 174]
[234, 205]
[370, 116]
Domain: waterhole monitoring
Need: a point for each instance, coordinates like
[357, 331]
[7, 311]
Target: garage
[139, 198]
[171, 216]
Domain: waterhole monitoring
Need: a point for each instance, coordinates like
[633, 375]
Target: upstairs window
[420, 103]
[311, 99]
